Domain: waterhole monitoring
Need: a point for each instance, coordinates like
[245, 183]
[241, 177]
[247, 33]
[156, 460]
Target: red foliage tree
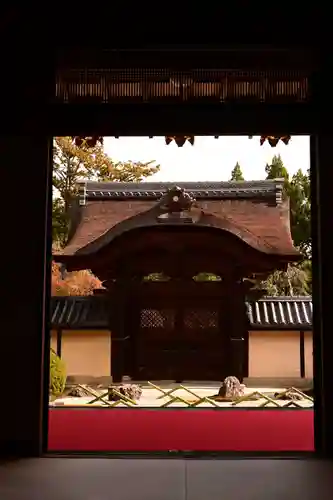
[74, 283]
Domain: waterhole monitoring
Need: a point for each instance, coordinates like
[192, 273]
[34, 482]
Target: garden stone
[131, 391]
[231, 388]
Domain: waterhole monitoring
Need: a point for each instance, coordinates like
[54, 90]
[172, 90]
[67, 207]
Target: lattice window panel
[156, 318]
[148, 84]
[201, 319]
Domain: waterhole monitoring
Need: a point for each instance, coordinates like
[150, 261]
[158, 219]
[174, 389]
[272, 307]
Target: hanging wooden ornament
[179, 139]
[273, 140]
[285, 139]
[90, 142]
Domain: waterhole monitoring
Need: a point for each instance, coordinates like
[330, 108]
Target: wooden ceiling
[183, 75]
[185, 91]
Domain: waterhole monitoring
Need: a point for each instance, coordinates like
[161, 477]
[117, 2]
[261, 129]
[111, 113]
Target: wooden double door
[180, 339]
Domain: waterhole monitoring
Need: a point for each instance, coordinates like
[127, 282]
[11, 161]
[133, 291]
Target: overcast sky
[209, 159]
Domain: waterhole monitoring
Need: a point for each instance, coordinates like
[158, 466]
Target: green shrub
[57, 374]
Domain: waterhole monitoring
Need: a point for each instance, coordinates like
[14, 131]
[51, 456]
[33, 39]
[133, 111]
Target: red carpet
[149, 430]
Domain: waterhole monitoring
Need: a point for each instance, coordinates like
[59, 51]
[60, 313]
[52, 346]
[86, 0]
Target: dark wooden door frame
[28, 436]
[185, 342]
[232, 344]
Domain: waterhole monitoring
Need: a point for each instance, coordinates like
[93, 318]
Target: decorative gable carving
[176, 205]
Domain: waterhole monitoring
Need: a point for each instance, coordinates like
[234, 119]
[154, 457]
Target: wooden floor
[168, 479]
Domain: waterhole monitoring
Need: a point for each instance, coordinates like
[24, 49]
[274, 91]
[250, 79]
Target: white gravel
[151, 398]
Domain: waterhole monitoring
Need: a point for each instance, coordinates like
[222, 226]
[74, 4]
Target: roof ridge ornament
[177, 199]
[176, 205]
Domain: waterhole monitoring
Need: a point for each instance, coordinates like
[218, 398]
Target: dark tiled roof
[79, 312]
[252, 210]
[281, 313]
[277, 313]
[200, 190]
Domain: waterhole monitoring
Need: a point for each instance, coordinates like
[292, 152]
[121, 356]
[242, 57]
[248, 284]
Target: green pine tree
[276, 170]
[297, 280]
[236, 173]
[297, 188]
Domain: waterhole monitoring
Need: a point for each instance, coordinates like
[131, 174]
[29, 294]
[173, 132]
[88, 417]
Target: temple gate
[153, 245]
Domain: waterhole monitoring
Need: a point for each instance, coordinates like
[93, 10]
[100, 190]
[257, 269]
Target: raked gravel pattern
[150, 398]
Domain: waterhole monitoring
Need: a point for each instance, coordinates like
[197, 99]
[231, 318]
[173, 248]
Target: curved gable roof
[253, 211]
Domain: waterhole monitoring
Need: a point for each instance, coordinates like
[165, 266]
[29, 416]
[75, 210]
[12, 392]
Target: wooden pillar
[237, 330]
[301, 354]
[59, 341]
[118, 311]
[321, 165]
[24, 367]
[26, 195]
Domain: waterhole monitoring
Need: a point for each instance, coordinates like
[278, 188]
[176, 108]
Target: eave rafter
[180, 140]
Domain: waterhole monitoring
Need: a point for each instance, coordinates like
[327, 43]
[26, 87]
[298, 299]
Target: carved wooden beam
[90, 142]
[273, 140]
[179, 139]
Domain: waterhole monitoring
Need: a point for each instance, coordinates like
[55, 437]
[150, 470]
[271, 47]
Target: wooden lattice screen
[192, 319]
[157, 318]
[81, 79]
[111, 86]
[201, 319]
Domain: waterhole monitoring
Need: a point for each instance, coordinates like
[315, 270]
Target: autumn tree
[236, 173]
[74, 283]
[73, 162]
